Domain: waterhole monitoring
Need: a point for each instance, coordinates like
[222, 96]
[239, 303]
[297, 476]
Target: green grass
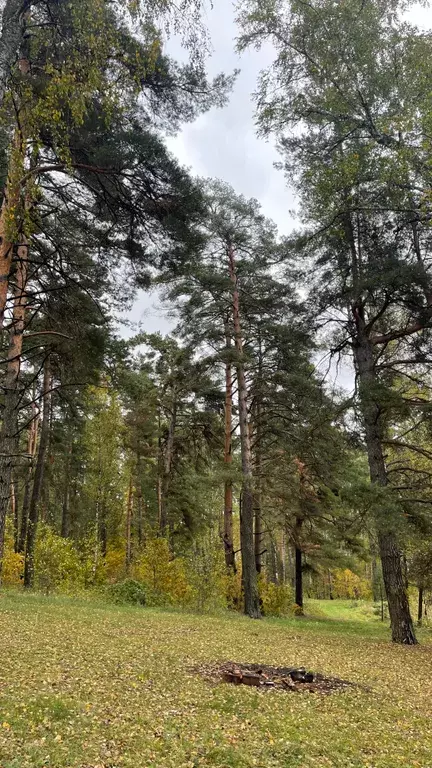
[86, 685]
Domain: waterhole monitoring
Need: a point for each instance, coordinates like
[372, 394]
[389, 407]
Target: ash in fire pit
[266, 677]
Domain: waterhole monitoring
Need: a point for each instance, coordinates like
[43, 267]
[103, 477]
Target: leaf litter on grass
[115, 689]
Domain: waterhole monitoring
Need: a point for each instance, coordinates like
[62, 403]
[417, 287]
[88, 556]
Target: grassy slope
[86, 685]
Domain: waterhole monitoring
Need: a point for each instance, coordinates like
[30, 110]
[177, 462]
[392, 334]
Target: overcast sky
[223, 143]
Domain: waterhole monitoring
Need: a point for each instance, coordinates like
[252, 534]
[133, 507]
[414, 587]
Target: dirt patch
[267, 678]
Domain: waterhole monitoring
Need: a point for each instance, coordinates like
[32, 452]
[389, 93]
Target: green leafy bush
[128, 592]
[57, 562]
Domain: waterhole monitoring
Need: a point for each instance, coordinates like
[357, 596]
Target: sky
[223, 143]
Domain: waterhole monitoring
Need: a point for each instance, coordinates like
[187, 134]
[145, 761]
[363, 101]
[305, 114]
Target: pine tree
[353, 159]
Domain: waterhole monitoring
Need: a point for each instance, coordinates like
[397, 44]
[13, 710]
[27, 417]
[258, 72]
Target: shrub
[163, 576]
[296, 610]
[57, 563]
[276, 599]
[115, 564]
[13, 568]
[207, 575]
[347, 585]
[128, 592]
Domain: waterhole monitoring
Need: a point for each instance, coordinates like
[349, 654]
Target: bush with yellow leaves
[163, 576]
[57, 562]
[13, 568]
[347, 585]
[276, 599]
[115, 564]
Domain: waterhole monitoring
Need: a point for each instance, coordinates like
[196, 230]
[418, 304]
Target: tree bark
[167, 466]
[400, 617]
[14, 508]
[38, 478]
[9, 436]
[249, 574]
[65, 520]
[31, 452]
[11, 38]
[139, 505]
[258, 532]
[129, 509]
[420, 606]
[228, 491]
[298, 577]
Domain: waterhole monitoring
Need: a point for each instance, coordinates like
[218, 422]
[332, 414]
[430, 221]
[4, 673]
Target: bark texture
[420, 606]
[11, 38]
[391, 557]
[9, 436]
[228, 490]
[249, 574]
[167, 467]
[38, 478]
[129, 510]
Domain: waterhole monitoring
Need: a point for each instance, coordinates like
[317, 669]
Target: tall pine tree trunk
[228, 490]
[298, 564]
[38, 478]
[9, 436]
[420, 606]
[391, 558]
[65, 519]
[14, 508]
[249, 574]
[167, 462]
[11, 194]
[11, 38]
[129, 509]
[31, 453]
[139, 504]
[258, 530]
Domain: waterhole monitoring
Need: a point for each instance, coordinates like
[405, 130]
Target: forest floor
[87, 685]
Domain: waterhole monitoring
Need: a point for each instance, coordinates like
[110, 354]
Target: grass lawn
[86, 685]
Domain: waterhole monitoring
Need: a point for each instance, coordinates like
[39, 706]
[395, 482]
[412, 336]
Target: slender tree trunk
[374, 571]
[129, 510]
[38, 478]
[14, 510]
[273, 573]
[391, 559]
[249, 574]
[298, 563]
[139, 505]
[330, 584]
[420, 606]
[258, 532]
[282, 570]
[167, 466]
[103, 532]
[6, 251]
[31, 452]
[65, 519]
[9, 436]
[228, 495]
[11, 38]
[9, 214]
[298, 577]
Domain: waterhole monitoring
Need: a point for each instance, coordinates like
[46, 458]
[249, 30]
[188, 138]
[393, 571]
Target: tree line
[224, 439]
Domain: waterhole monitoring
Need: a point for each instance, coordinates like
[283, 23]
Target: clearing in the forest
[88, 685]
